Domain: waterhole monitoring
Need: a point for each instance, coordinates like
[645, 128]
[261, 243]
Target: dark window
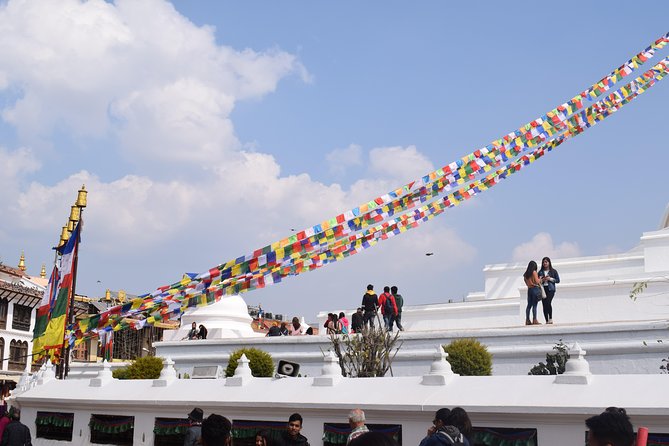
[54, 425]
[18, 355]
[657, 439]
[170, 431]
[484, 436]
[112, 429]
[4, 305]
[21, 317]
[336, 434]
[2, 352]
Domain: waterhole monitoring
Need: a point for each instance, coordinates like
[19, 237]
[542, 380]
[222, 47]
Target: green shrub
[468, 357]
[260, 362]
[148, 367]
[555, 361]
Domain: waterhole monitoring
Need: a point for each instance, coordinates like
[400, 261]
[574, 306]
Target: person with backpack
[399, 303]
[443, 434]
[388, 308]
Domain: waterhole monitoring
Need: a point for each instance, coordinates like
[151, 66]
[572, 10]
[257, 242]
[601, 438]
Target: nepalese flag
[55, 330]
[43, 314]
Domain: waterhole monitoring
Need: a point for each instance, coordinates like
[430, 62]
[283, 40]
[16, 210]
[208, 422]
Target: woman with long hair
[549, 277]
[533, 292]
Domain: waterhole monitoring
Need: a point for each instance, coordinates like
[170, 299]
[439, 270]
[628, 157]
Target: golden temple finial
[42, 272]
[22, 262]
[121, 296]
[107, 295]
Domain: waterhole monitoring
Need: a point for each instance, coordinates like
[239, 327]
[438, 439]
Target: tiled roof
[20, 294]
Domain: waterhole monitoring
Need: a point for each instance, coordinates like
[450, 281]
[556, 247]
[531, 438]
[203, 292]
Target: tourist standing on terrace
[388, 308]
[549, 277]
[533, 292]
[194, 432]
[441, 433]
[356, 419]
[370, 302]
[357, 321]
[399, 302]
[292, 436]
[610, 428]
[345, 327]
[216, 431]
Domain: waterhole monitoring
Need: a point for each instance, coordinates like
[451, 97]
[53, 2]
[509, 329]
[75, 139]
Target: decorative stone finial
[104, 376]
[577, 369]
[243, 373]
[330, 373]
[47, 372]
[440, 371]
[167, 374]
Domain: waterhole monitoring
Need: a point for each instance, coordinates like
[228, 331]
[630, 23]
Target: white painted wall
[556, 409]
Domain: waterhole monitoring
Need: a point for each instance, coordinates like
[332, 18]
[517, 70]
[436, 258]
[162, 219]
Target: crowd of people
[540, 288]
[390, 304]
[450, 427]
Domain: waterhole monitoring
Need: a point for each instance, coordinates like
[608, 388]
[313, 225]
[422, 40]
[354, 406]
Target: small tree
[366, 354]
[555, 361]
[468, 357]
[260, 362]
[148, 367]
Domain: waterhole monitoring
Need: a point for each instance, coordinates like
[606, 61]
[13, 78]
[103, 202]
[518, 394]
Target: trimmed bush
[260, 362]
[468, 357]
[148, 367]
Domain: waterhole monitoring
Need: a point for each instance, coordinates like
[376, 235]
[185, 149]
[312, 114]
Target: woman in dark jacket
[549, 277]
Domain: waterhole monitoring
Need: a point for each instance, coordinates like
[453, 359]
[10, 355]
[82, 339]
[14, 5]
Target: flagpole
[76, 214]
[70, 315]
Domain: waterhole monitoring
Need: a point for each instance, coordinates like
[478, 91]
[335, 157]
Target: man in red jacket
[388, 308]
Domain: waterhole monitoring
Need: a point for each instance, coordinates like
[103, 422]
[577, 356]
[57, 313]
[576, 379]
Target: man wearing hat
[194, 432]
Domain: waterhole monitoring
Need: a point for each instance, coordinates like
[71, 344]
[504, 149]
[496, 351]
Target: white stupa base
[226, 319]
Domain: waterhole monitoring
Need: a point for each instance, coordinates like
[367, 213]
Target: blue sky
[206, 129]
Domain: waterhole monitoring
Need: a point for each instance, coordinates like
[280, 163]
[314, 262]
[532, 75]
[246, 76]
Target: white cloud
[541, 246]
[341, 159]
[160, 92]
[399, 163]
[16, 163]
[169, 86]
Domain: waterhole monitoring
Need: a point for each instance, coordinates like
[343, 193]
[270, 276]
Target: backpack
[344, 330]
[388, 307]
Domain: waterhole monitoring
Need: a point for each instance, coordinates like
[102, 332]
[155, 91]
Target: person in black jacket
[16, 433]
[370, 303]
[356, 321]
[293, 437]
